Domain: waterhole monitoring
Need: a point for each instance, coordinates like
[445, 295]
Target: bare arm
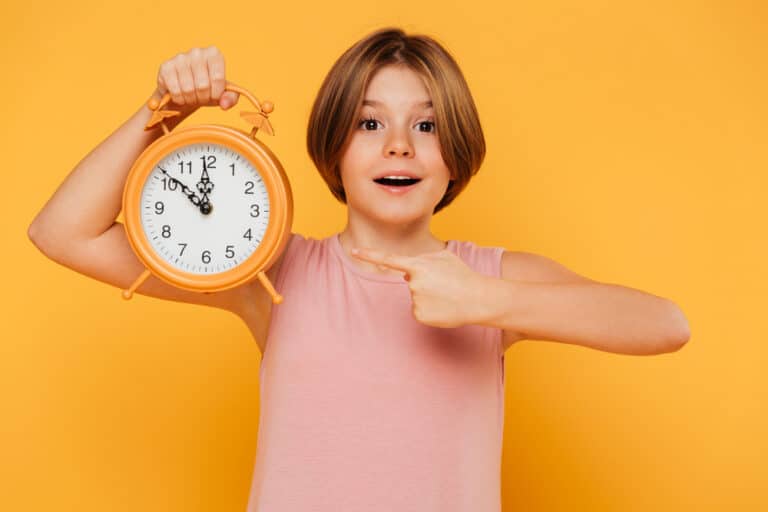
[89, 200]
[603, 316]
[539, 298]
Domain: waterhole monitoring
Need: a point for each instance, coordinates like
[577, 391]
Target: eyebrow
[373, 103]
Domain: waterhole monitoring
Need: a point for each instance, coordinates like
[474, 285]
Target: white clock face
[204, 208]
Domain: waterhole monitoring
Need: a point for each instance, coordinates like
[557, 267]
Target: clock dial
[204, 208]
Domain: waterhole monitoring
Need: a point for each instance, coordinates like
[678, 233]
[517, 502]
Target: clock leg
[276, 297]
[127, 294]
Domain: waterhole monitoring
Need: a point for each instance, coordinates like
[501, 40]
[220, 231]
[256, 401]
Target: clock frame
[268, 166]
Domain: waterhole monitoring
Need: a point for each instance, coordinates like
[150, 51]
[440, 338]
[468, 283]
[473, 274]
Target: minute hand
[185, 189]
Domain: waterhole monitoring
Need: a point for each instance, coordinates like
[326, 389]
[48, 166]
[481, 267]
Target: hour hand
[204, 186]
[184, 189]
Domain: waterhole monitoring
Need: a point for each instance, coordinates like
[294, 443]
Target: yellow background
[625, 140]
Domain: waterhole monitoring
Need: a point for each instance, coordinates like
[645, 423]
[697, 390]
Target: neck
[405, 239]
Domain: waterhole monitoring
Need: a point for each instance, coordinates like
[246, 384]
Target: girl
[382, 371]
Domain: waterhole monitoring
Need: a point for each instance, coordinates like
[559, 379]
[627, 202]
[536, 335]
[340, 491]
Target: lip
[403, 189]
[397, 172]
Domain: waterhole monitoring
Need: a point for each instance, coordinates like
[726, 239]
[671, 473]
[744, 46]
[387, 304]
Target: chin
[392, 209]
[399, 216]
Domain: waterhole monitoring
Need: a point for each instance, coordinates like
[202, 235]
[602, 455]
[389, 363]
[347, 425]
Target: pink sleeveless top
[364, 408]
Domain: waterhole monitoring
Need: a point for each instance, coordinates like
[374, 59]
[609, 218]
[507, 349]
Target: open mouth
[397, 182]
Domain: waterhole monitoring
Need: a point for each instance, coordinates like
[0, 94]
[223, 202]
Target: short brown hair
[336, 107]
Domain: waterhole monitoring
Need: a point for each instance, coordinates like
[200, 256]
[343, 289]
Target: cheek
[429, 150]
[356, 156]
[433, 159]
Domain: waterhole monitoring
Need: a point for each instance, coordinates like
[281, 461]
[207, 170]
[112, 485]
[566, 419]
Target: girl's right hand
[195, 79]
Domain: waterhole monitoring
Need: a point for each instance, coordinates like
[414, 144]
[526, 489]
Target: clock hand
[186, 190]
[205, 187]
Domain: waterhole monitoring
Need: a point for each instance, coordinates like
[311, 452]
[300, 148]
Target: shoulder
[481, 258]
[301, 251]
[297, 246]
[299, 243]
[527, 266]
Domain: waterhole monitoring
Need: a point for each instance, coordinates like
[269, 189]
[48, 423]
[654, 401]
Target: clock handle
[127, 294]
[258, 120]
[276, 297]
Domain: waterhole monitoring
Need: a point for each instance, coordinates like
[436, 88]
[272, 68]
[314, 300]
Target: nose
[398, 143]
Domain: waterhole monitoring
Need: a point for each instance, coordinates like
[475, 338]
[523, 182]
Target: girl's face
[395, 135]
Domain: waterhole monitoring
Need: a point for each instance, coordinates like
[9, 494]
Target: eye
[430, 126]
[369, 124]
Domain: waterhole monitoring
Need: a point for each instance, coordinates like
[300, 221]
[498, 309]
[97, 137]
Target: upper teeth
[398, 177]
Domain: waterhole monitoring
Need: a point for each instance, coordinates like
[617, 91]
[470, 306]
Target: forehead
[397, 86]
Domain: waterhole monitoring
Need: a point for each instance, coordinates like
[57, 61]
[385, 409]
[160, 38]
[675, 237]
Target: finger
[200, 76]
[215, 62]
[229, 98]
[171, 79]
[394, 261]
[186, 80]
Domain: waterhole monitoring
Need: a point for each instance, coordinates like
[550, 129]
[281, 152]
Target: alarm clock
[208, 207]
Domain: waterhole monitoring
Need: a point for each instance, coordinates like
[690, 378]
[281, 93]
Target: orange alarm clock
[208, 207]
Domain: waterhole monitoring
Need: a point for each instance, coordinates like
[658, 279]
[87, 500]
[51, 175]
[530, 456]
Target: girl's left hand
[445, 291]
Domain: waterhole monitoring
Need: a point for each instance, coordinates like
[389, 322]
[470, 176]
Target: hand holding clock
[195, 79]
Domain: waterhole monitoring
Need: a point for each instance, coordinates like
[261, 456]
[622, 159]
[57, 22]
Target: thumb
[228, 99]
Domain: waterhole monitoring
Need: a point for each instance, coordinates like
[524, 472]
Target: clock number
[230, 253]
[206, 256]
[210, 163]
[249, 187]
[248, 234]
[169, 184]
[256, 206]
[189, 166]
[183, 246]
[233, 168]
[166, 231]
[159, 207]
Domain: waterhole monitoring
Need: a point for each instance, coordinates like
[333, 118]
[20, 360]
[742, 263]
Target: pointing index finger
[388, 260]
